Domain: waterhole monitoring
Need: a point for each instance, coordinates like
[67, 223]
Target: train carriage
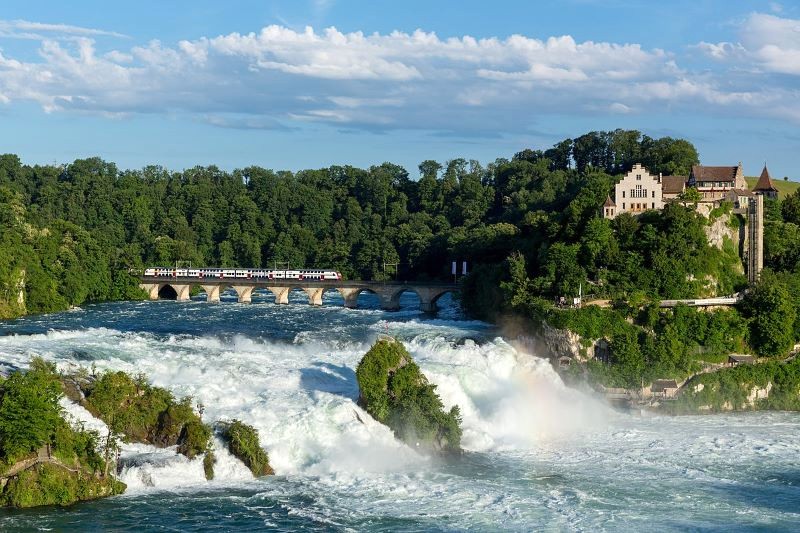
[243, 273]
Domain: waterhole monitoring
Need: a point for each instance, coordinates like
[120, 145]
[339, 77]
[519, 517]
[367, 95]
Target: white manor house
[639, 190]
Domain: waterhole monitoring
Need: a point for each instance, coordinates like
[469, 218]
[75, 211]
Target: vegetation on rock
[396, 393]
[139, 412]
[243, 443]
[43, 459]
[769, 385]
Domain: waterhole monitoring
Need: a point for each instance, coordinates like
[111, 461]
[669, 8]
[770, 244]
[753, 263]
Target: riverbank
[714, 380]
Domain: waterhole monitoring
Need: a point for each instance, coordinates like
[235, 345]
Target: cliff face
[771, 385]
[553, 343]
[725, 226]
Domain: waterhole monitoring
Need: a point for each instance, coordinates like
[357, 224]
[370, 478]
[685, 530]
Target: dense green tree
[769, 306]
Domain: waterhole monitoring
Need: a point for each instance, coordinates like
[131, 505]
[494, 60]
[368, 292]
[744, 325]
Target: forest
[529, 227]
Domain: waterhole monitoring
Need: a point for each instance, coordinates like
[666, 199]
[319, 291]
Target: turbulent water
[540, 456]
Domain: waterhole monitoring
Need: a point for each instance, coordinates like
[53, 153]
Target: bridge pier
[244, 292]
[428, 307]
[314, 295]
[350, 297]
[390, 303]
[183, 291]
[281, 294]
[212, 292]
[151, 289]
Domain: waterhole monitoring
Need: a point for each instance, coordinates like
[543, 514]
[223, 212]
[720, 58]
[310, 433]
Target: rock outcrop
[244, 444]
[136, 411]
[393, 390]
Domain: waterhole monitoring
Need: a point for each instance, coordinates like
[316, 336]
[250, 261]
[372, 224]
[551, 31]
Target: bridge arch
[167, 292]
[441, 293]
[333, 294]
[393, 303]
[351, 295]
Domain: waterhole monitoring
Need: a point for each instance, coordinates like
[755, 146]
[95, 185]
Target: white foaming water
[145, 466]
[301, 396]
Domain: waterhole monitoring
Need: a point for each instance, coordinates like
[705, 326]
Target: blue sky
[304, 84]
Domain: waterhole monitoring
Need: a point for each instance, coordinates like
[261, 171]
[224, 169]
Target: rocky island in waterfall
[395, 392]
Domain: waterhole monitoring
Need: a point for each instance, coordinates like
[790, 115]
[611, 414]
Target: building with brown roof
[764, 186]
[713, 183]
[672, 187]
[666, 388]
[738, 359]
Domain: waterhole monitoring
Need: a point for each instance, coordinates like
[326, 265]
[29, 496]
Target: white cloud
[417, 80]
[24, 29]
[767, 42]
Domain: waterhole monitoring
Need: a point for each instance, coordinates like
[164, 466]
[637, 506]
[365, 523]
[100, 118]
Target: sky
[311, 83]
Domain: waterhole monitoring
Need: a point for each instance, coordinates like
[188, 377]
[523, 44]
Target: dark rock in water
[393, 390]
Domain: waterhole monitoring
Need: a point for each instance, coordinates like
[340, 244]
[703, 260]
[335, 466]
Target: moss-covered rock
[243, 443]
[140, 412]
[54, 484]
[395, 392]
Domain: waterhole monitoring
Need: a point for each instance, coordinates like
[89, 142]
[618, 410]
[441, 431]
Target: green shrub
[49, 484]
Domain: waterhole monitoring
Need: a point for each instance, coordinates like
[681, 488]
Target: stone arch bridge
[179, 288]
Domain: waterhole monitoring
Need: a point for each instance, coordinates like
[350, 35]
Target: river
[540, 456]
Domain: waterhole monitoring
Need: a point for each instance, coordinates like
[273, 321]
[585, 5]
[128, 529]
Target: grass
[785, 188]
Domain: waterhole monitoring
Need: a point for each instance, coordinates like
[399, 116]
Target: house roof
[742, 358]
[673, 184]
[704, 173]
[660, 384]
[765, 182]
[743, 192]
[609, 202]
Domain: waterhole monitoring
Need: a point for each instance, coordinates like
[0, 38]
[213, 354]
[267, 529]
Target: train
[243, 273]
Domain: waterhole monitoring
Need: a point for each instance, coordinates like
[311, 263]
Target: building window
[638, 177]
[654, 194]
[623, 194]
[654, 205]
[623, 205]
